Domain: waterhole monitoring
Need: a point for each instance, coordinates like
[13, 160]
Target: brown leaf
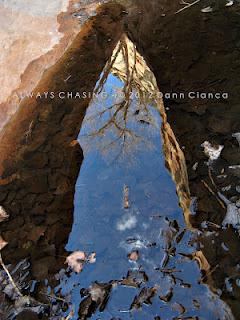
[179, 308]
[76, 260]
[92, 257]
[145, 297]
[168, 296]
[134, 256]
[134, 279]
[3, 243]
[196, 304]
[96, 299]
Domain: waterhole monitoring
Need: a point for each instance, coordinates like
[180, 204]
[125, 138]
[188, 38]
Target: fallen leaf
[134, 279]
[97, 299]
[196, 304]
[145, 297]
[168, 296]
[92, 257]
[133, 256]
[179, 308]
[3, 214]
[76, 260]
[3, 243]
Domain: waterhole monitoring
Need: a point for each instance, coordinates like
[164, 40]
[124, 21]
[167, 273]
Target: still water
[125, 201]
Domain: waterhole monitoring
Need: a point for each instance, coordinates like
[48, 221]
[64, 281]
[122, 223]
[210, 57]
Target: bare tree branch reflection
[123, 107]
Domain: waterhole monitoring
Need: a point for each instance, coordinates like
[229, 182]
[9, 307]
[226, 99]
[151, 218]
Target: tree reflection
[124, 105]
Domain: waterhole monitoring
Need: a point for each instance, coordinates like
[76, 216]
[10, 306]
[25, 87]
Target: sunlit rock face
[33, 35]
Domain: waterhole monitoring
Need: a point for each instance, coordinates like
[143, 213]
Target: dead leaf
[92, 257]
[196, 304]
[179, 308]
[3, 214]
[97, 299]
[168, 296]
[126, 203]
[134, 256]
[145, 297]
[3, 243]
[76, 260]
[134, 279]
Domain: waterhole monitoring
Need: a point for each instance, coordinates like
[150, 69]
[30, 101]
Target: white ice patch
[229, 3]
[212, 152]
[237, 136]
[233, 213]
[127, 222]
[207, 9]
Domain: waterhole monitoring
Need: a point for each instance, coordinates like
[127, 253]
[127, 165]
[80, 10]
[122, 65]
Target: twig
[211, 178]
[28, 133]
[53, 297]
[10, 277]
[209, 273]
[188, 6]
[222, 204]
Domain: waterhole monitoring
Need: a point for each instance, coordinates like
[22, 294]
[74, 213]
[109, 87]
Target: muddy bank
[37, 185]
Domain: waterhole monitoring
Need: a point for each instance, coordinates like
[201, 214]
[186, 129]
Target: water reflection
[162, 278]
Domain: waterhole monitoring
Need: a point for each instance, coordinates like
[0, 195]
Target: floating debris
[135, 278]
[126, 203]
[168, 296]
[97, 296]
[145, 297]
[134, 256]
[77, 259]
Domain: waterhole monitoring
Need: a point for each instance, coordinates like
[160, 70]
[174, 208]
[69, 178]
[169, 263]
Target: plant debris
[134, 279]
[145, 297]
[168, 296]
[133, 256]
[126, 203]
[77, 259]
[96, 298]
